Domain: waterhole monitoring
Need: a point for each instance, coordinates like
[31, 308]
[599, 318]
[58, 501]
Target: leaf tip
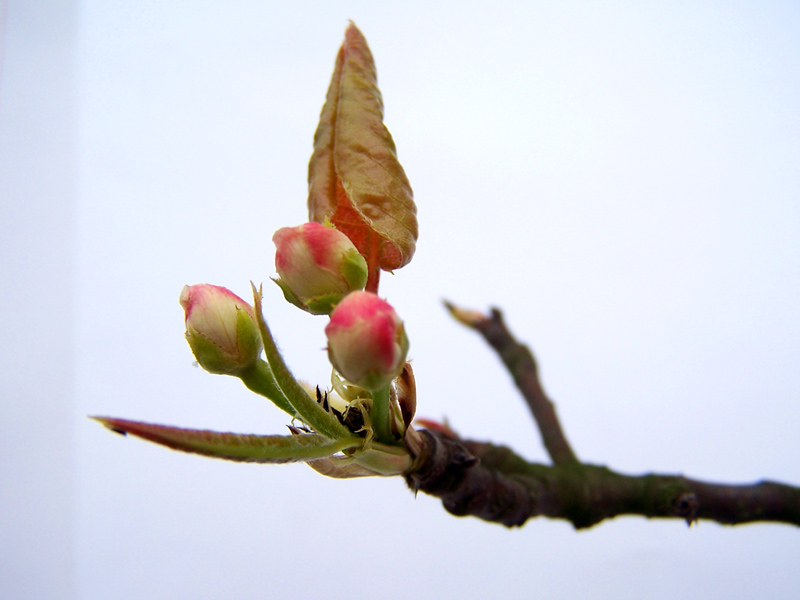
[110, 424]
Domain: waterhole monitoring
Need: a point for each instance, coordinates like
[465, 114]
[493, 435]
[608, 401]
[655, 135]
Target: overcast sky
[623, 180]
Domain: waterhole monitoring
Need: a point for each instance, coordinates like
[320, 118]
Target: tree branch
[520, 362]
[494, 484]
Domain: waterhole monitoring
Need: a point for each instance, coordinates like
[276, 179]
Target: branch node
[686, 506]
[450, 472]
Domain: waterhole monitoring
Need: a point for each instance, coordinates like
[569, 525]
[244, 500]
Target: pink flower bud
[318, 266]
[220, 329]
[367, 343]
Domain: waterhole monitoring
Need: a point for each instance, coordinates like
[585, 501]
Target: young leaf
[355, 179]
[340, 468]
[273, 449]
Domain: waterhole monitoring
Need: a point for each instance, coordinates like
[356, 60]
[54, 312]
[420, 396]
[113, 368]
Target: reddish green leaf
[233, 446]
[339, 468]
[355, 179]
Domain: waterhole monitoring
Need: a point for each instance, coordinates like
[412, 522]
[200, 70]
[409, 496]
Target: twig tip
[471, 318]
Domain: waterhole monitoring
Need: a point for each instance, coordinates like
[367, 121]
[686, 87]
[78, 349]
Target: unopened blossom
[318, 266]
[220, 328]
[367, 343]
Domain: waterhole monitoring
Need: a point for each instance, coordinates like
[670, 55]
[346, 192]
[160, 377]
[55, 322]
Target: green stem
[307, 408]
[259, 379]
[379, 414]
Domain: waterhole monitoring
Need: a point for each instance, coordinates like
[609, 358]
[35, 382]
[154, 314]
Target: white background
[622, 179]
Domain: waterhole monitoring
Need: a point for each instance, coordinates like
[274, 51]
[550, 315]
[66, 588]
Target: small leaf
[355, 179]
[383, 459]
[239, 447]
[340, 467]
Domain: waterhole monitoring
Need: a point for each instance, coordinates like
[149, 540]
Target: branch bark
[520, 362]
[493, 483]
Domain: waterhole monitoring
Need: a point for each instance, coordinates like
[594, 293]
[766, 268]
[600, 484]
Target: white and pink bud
[318, 266]
[220, 328]
[367, 343]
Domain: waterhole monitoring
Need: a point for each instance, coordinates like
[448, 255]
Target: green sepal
[290, 296]
[321, 305]
[208, 354]
[214, 360]
[354, 270]
[274, 449]
[249, 337]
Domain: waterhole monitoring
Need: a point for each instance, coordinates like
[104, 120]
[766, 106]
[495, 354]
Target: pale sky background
[623, 179]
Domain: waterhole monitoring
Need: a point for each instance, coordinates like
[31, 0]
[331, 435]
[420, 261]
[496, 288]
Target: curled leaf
[405, 390]
[340, 468]
[377, 459]
[355, 179]
[238, 447]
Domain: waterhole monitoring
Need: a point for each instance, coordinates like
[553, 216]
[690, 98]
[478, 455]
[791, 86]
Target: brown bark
[493, 483]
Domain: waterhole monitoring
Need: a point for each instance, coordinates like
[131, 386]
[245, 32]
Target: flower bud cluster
[322, 272]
